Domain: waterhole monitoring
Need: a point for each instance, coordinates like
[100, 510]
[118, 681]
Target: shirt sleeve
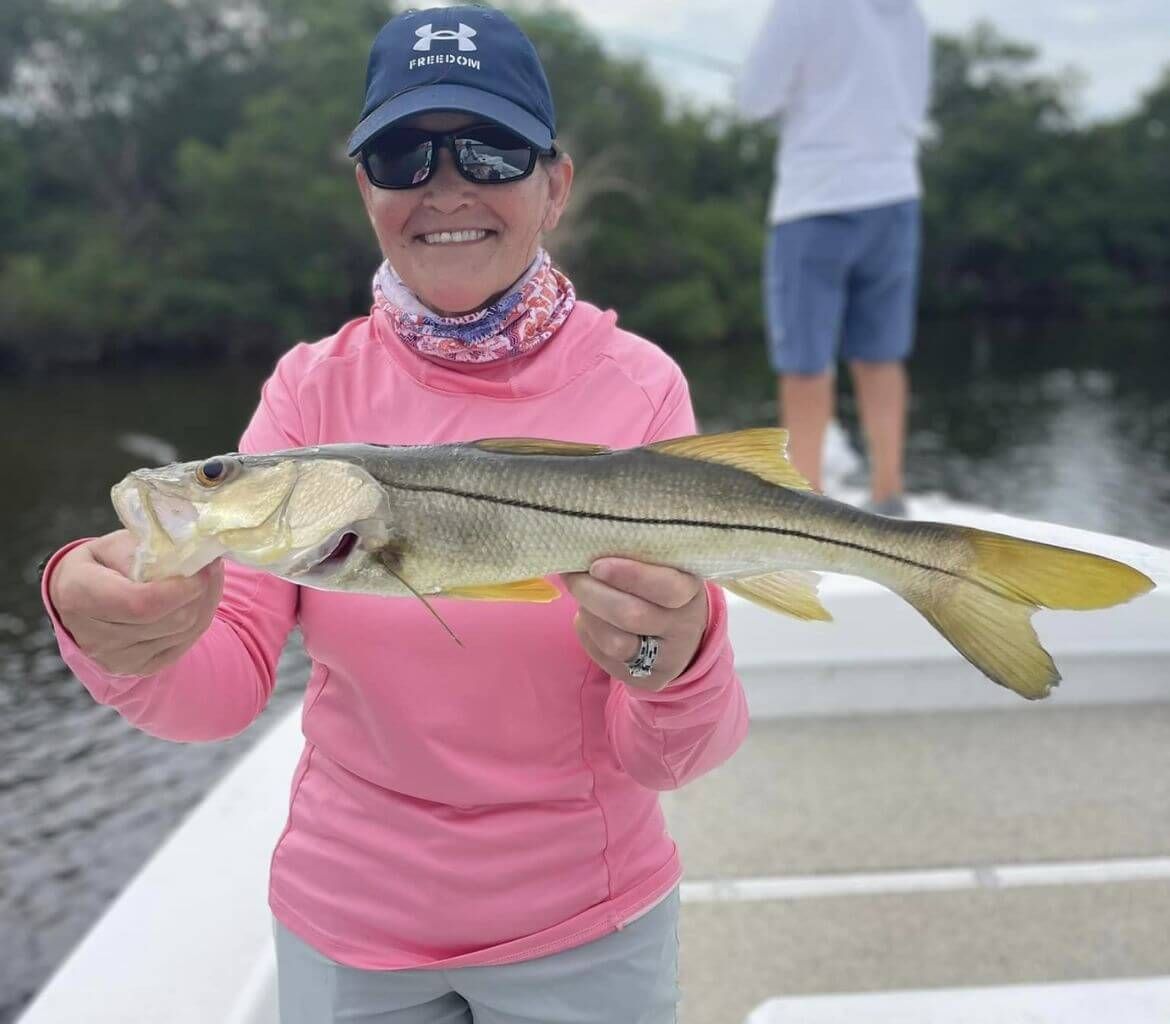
[665, 739]
[223, 682]
[925, 80]
[765, 82]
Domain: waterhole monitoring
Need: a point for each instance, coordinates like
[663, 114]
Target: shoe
[893, 506]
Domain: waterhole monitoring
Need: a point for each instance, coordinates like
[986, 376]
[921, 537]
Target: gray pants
[627, 977]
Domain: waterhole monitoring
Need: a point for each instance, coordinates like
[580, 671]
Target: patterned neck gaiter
[515, 324]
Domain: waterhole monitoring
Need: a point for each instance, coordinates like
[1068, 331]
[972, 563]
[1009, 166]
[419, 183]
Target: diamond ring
[642, 663]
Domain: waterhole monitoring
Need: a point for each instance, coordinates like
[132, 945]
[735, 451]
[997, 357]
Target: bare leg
[806, 406]
[882, 396]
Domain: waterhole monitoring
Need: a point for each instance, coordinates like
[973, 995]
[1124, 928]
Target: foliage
[173, 178]
[1024, 211]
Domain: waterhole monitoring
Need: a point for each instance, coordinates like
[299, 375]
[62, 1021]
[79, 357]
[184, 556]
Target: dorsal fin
[760, 450]
[538, 446]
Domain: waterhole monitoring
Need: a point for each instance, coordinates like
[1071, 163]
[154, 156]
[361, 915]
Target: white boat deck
[1132, 1002]
[899, 839]
[886, 853]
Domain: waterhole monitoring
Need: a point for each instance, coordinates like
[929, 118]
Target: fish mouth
[153, 516]
[165, 528]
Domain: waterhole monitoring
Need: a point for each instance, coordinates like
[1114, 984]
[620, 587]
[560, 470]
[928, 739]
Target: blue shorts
[842, 285]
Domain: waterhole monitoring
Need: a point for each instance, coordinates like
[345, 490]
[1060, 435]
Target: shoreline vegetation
[173, 186]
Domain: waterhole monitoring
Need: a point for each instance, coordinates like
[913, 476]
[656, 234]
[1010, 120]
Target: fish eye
[214, 472]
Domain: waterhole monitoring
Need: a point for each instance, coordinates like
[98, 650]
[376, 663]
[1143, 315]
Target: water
[1067, 423]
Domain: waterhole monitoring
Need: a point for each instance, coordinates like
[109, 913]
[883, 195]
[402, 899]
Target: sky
[1119, 46]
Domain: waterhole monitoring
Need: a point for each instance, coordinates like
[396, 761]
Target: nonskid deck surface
[879, 853]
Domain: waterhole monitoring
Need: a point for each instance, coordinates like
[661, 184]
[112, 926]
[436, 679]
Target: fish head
[305, 516]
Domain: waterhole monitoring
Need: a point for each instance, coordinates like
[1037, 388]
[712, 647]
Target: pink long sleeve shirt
[454, 805]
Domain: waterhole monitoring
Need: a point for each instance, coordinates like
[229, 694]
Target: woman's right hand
[128, 628]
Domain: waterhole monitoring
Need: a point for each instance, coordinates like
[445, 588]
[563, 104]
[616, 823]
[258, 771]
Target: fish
[492, 519]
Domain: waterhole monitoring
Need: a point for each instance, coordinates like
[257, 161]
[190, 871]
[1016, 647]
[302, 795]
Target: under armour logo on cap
[471, 59]
[426, 35]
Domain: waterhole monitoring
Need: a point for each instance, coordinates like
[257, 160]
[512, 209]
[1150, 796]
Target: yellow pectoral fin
[538, 591]
[759, 450]
[790, 593]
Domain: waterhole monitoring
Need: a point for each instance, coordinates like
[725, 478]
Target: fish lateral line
[780, 531]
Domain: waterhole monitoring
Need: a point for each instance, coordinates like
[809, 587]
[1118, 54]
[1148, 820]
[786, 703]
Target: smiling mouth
[467, 237]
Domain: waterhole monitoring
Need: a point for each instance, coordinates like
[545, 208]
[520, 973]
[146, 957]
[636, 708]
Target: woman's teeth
[448, 237]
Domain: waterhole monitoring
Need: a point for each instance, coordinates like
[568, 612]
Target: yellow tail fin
[1053, 577]
[986, 610]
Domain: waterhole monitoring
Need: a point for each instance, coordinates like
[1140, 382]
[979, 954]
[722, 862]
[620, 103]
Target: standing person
[849, 81]
[474, 832]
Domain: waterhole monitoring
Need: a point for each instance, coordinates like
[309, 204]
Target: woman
[474, 831]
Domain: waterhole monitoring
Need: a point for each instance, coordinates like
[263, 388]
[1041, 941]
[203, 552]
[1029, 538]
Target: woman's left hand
[622, 600]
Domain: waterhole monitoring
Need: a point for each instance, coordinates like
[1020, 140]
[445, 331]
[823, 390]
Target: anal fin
[790, 592]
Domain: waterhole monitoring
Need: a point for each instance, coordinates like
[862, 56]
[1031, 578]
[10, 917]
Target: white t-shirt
[850, 82]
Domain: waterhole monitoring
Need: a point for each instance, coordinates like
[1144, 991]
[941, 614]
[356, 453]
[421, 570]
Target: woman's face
[508, 220]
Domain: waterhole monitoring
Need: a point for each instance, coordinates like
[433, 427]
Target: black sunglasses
[486, 154]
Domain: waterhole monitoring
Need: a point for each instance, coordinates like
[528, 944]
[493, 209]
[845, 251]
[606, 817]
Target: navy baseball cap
[470, 59]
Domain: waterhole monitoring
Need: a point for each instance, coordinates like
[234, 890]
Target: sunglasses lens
[488, 153]
[399, 159]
